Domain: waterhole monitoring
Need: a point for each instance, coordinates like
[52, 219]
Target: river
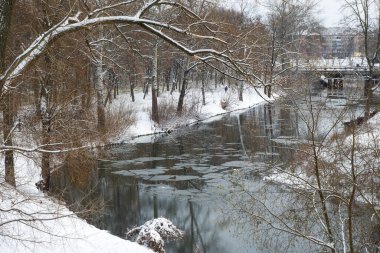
[190, 175]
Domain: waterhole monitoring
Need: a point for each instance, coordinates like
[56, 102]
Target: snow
[31, 221]
[47, 225]
[336, 153]
[144, 126]
[39, 45]
[296, 180]
[153, 233]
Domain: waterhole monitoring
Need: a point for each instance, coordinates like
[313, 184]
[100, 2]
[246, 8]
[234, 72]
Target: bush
[167, 112]
[226, 101]
[118, 120]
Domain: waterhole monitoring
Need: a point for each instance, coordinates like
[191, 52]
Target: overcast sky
[330, 12]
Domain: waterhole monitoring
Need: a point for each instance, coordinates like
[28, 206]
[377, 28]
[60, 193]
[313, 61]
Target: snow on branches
[79, 21]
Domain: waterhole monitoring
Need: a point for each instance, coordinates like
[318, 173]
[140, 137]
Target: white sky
[331, 12]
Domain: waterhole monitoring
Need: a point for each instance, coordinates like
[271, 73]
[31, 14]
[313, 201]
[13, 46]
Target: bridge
[334, 76]
[332, 71]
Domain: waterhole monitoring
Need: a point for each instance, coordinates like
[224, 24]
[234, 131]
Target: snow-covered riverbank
[31, 221]
[195, 111]
[343, 153]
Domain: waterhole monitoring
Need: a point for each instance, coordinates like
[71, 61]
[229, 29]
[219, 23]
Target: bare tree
[6, 7]
[365, 16]
[287, 21]
[332, 202]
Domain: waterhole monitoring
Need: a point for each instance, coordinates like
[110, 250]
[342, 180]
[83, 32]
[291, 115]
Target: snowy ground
[30, 221]
[193, 99]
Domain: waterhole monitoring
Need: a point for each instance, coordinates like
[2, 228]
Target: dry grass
[167, 111]
[117, 121]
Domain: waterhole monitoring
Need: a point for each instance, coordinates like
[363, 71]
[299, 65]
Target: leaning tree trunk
[5, 17]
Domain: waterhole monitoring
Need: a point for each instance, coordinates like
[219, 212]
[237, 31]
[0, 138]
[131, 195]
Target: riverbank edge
[158, 130]
[92, 237]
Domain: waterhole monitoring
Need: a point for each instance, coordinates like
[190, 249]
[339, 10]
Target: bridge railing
[336, 69]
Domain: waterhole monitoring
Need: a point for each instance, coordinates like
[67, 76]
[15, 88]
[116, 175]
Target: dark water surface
[186, 176]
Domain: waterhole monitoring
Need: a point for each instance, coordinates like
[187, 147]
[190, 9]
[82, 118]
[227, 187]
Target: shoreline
[207, 114]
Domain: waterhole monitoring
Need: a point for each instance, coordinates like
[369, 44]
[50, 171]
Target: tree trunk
[173, 87]
[132, 87]
[46, 128]
[5, 19]
[6, 7]
[368, 93]
[116, 88]
[182, 93]
[45, 107]
[7, 134]
[269, 91]
[155, 116]
[241, 90]
[99, 87]
[216, 79]
[204, 76]
[108, 97]
[146, 88]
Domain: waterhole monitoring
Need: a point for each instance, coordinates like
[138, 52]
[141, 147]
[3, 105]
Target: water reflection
[186, 176]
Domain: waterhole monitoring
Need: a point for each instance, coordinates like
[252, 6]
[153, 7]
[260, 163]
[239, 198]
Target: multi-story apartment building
[338, 42]
[335, 42]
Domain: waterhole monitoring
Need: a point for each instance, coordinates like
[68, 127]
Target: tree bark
[155, 116]
[46, 129]
[241, 90]
[6, 7]
[99, 87]
[45, 111]
[182, 93]
[204, 76]
[8, 141]
[132, 87]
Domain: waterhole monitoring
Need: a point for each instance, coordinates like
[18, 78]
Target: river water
[187, 176]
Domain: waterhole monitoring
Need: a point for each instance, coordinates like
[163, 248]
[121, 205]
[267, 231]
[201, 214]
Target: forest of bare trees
[62, 60]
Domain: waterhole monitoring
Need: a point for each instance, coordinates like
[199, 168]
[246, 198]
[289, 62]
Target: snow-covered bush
[153, 233]
[151, 239]
[227, 100]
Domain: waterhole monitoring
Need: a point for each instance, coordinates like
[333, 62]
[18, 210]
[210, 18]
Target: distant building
[334, 42]
[359, 46]
[311, 45]
[338, 42]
